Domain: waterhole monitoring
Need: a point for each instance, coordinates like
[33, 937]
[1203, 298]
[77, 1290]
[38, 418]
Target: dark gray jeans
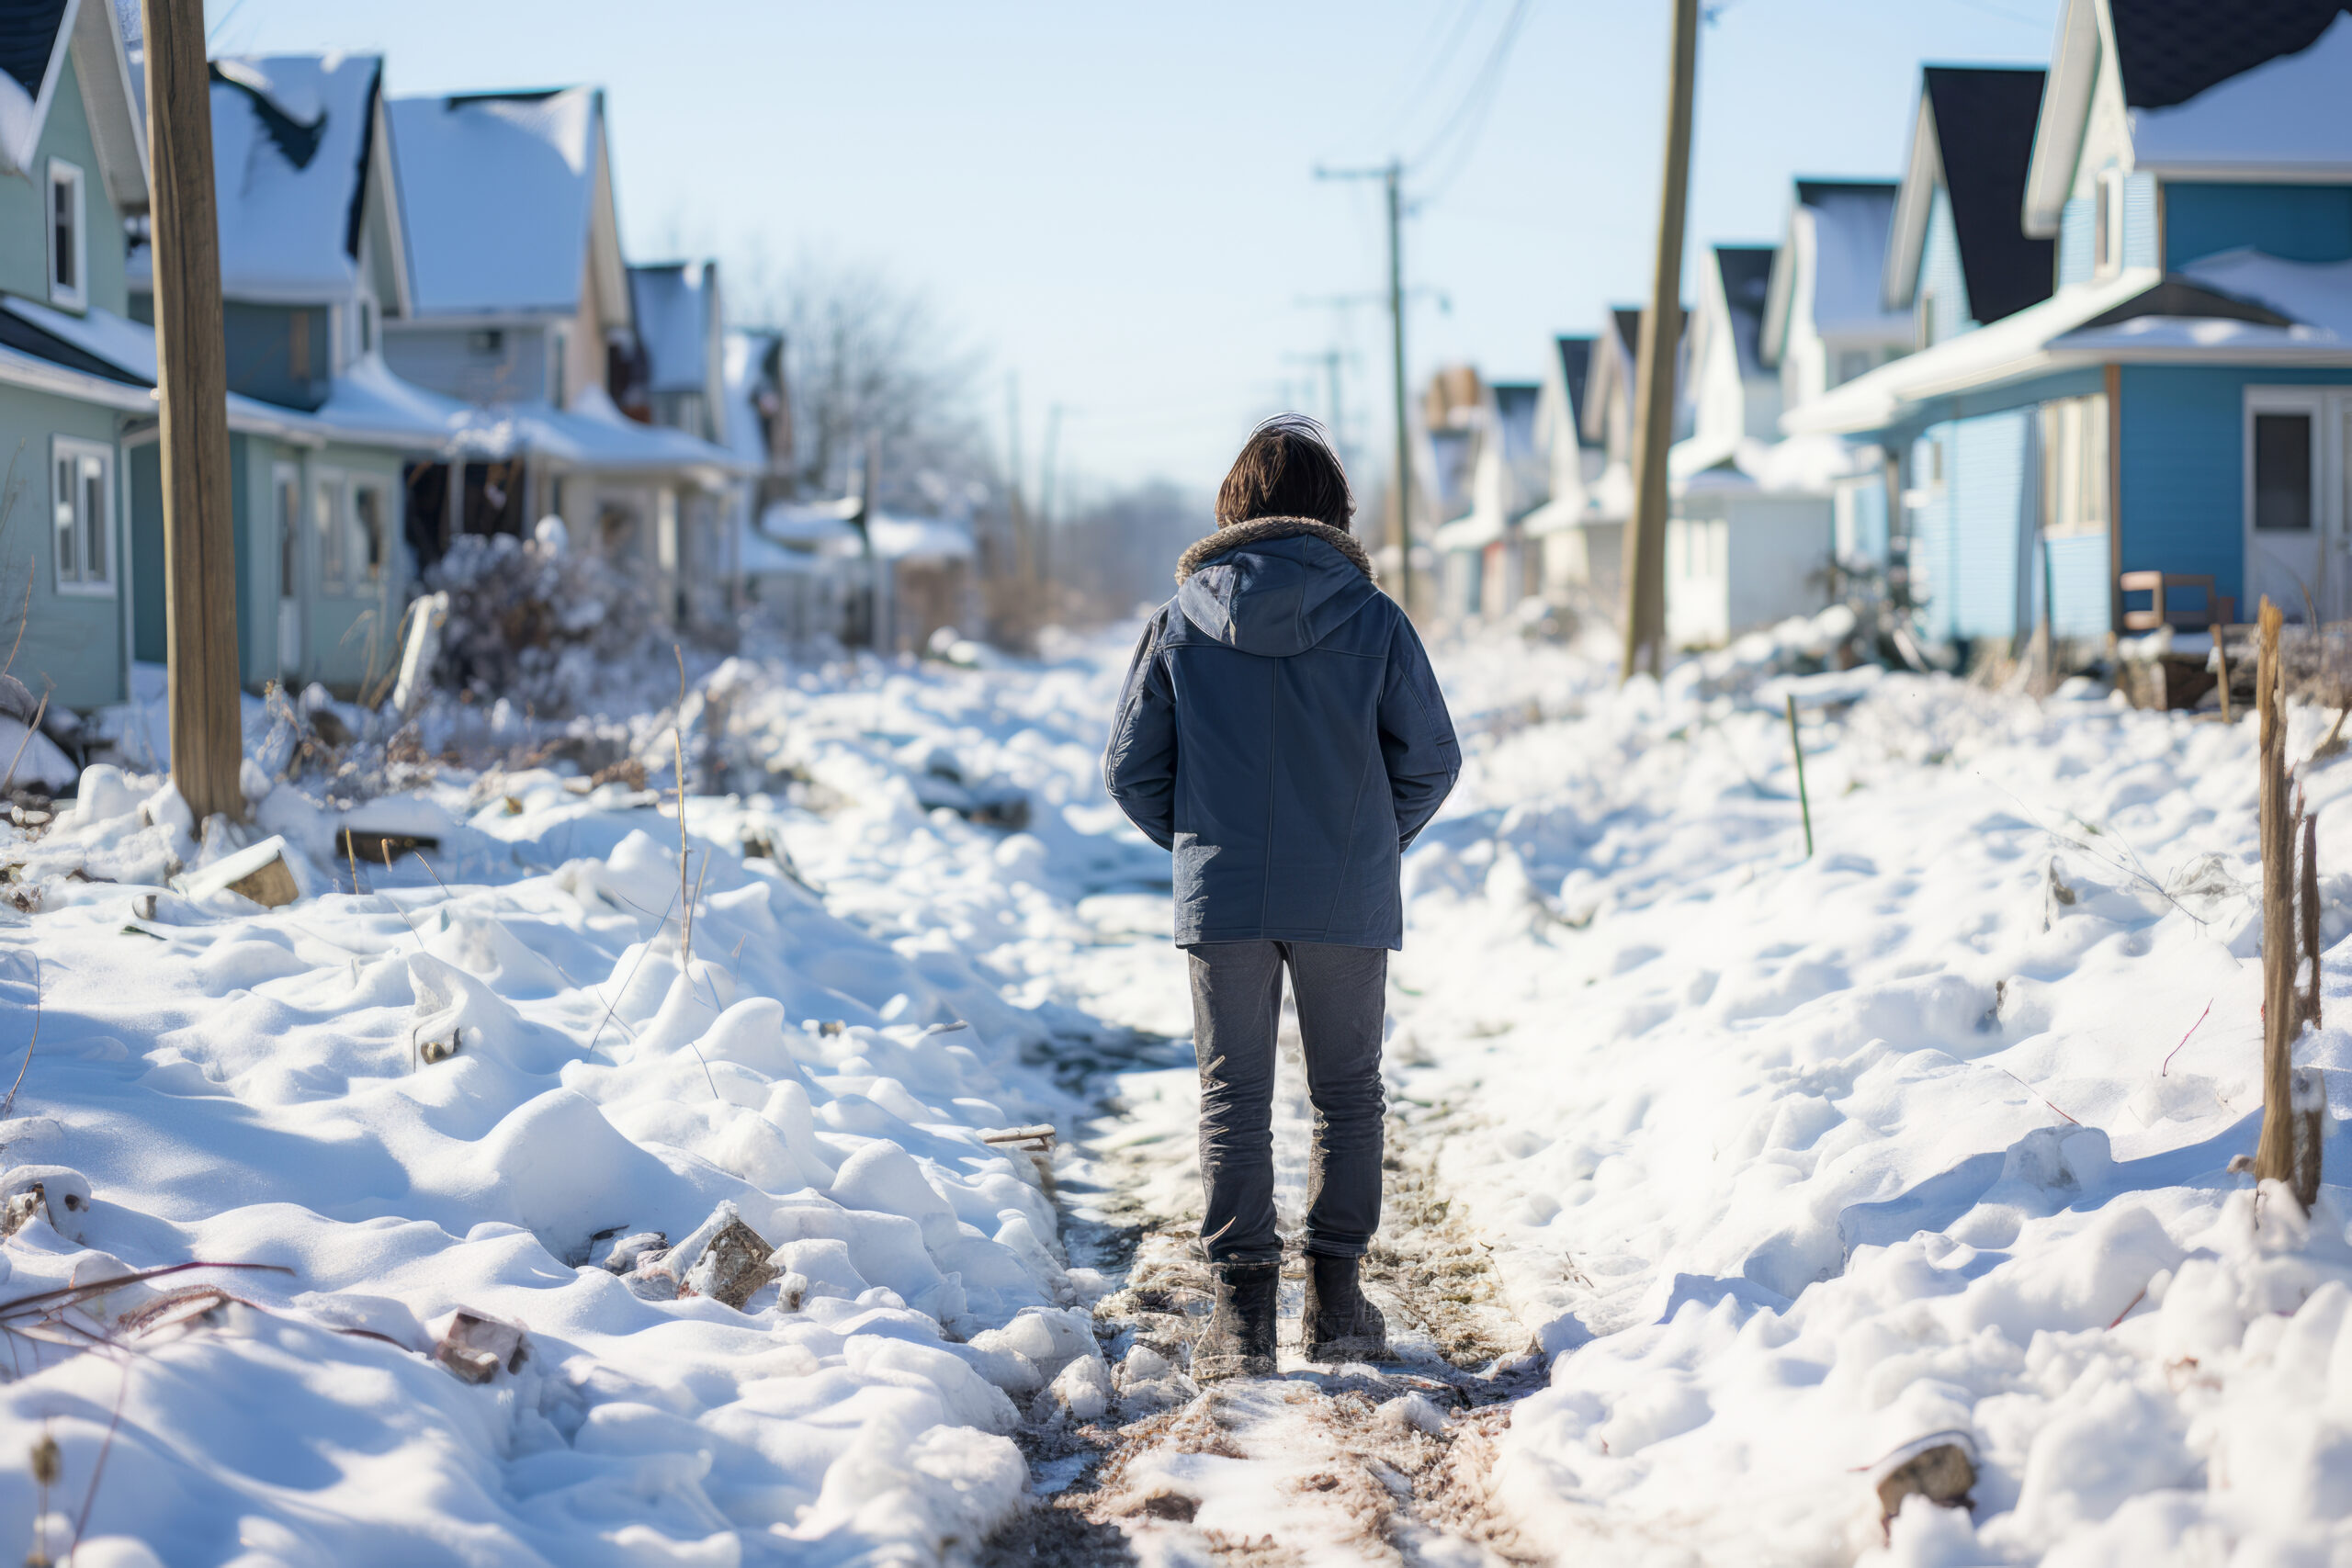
[1343, 993]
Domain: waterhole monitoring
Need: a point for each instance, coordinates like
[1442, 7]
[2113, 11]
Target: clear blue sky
[1116, 201]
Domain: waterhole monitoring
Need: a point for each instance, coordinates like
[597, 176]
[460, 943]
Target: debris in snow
[1082, 1388]
[50, 1191]
[724, 1259]
[476, 1344]
[629, 1250]
[262, 872]
[1414, 1412]
[1940, 1467]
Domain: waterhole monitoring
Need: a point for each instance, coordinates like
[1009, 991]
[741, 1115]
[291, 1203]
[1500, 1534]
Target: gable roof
[677, 319]
[2180, 63]
[1974, 139]
[292, 140]
[36, 38]
[1746, 272]
[753, 375]
[1849, 224]
[505, 201]
[1575, 367]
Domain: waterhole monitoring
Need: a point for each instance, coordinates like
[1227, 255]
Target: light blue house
[2172, 393]
[73, 167]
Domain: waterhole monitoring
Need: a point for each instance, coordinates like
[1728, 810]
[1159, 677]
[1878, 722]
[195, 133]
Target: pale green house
[71, 170]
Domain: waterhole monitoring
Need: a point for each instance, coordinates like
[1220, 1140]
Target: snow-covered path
[1722, 1176]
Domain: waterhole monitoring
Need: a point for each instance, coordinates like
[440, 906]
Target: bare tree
[868, 359]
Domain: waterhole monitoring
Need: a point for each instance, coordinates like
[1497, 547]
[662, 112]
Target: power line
[1470, 116]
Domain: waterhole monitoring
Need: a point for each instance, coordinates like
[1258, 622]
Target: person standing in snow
[1281, 731]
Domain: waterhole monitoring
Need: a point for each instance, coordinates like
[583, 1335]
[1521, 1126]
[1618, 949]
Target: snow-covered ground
[1786, 1164]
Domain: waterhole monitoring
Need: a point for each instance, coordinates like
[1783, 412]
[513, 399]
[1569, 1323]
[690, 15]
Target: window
[2282, 472]
[351, 518]
[2107, 225]
[69, 242]
[82, 504]
[559, 347]
[367, 326]
[2074, 466]
[290, 532]
[298, 345]
[368, 539]
[487, 344]
[326, 521]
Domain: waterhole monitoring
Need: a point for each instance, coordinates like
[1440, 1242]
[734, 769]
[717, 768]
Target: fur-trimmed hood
[1273, 586]
[1234, 535]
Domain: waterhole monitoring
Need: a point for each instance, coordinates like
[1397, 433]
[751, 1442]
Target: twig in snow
[430, 872]
[97, 1471]
[624, 986]
[2139, 870]
[351, 858]
[2138, 1296]
[31, 730]
[10, 1103]
[2039, 1094]
[678, 742]
[2184, 1039]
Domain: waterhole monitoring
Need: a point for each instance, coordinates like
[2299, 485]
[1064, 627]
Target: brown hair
[1286, 470]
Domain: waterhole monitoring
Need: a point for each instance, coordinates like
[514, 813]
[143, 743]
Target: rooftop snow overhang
[2138, 317]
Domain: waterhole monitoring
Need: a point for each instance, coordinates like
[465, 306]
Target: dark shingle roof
[1747, 281]
[1811, 193]
[1984, 123]
[1576, 367]
[28, 39]
[2170, 50]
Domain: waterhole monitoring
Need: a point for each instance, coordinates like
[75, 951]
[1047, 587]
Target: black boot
[1240, 1339]
[1339, 1323]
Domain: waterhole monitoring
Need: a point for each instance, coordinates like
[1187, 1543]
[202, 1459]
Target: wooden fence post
[2294, 1104]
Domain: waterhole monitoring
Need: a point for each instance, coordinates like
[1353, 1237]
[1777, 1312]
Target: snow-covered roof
[762, 556]
[498, 193]
[825, 527]
[2284, 119]
[291, 140]
[920, 538]
[2318, 294]
[815, 524]
[2137, 316]
[366, 406]
[677, 310]
[594, 436]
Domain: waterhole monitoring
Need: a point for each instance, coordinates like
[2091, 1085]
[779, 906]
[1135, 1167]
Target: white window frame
[330, 533]
[2107, 224]
[74, 295]
[70, 514]
[363, 582]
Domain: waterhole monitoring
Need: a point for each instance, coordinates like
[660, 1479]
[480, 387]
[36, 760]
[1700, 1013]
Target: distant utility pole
[192, 385]
[1328, 363]
[1392, 176]
[1653, 378]
[1023, 559]
[1045, 493]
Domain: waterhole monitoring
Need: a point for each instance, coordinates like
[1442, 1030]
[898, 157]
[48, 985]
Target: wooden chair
[2219, 610]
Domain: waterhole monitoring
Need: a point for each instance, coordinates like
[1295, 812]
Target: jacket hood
[1273, 586]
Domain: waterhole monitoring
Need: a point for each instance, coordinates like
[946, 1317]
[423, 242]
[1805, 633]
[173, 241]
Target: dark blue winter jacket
[1281, 731]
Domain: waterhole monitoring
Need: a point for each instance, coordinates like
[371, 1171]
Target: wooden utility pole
[1392, 177]
[1654, 374]
[192, 385]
